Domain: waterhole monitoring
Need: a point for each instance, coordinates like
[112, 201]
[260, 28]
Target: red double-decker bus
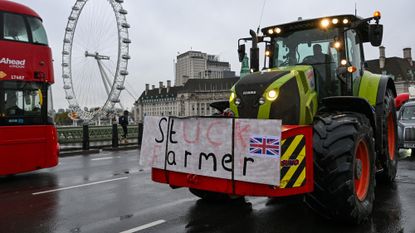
[28, 139]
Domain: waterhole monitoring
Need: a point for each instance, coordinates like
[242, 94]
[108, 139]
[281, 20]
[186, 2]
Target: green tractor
[314, 74]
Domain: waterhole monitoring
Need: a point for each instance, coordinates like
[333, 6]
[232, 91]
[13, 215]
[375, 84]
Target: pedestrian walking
[123, 121]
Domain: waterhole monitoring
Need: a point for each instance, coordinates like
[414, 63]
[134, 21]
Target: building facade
[191, 99]
[198, 65]
[402, 69]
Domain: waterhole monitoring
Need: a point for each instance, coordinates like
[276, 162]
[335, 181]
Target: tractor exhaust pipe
[254, 52]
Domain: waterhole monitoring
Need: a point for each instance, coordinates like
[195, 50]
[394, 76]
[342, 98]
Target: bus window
[13, 103]
[15, 28]
[38, 32]
[22, 100]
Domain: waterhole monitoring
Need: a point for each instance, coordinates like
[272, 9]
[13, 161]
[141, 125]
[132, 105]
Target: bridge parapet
[70, 135]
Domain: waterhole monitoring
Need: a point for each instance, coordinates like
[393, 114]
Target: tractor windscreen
[308, 46]
[315, 47]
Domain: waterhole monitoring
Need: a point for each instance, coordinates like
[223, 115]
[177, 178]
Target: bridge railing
[103, 134]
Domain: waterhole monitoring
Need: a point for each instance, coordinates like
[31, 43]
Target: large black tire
[389, 158]
[214, 196]
[344, 167]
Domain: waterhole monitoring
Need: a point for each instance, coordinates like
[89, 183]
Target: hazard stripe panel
[293, 169]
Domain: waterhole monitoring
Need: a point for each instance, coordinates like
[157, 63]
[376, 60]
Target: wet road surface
[109, 192]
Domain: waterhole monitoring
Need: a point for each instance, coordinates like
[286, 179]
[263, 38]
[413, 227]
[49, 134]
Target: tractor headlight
[272, 95]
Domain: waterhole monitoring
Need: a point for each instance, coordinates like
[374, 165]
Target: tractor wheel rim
[391, 137]
[361, 182]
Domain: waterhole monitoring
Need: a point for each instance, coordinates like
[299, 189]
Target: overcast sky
[162, 28]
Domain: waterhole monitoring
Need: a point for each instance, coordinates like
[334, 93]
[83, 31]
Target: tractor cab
[331, 45]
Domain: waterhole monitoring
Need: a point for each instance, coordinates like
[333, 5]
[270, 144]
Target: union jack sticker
[267, 146]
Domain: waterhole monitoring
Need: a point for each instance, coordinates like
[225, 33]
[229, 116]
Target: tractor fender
[350, 104]
[385, 83]
[373, 87]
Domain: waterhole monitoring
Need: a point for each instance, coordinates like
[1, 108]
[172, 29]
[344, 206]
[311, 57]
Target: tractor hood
[273, 94]
[255, 84]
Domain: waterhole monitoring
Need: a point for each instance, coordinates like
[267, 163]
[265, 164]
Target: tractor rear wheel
[344, 167]
[389, 158]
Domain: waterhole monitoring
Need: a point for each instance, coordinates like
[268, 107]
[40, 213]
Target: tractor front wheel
[344, 167]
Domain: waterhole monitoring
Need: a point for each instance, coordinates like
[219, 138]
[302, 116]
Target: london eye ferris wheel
[95, 57]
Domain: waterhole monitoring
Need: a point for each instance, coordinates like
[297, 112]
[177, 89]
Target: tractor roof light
[345, 21]
[335, 21]
[270, 31]
[324, 23]
[376, 15]
[272, 95]
[277, 30]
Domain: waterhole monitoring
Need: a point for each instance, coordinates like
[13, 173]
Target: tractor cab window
[311, 47]
[354, 56]
[353, 51]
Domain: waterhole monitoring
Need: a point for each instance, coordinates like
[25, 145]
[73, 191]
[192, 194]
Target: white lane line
[81, 185]
[145, 226]
[104, 158]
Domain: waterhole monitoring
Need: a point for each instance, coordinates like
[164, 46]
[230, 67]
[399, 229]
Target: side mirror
[241, 52]
[375, 34]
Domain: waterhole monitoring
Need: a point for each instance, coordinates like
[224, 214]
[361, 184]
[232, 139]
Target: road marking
[81, 185]
[145, 226]
[105, 158]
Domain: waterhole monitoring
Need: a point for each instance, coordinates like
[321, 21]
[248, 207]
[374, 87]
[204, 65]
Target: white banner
[203, 146]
